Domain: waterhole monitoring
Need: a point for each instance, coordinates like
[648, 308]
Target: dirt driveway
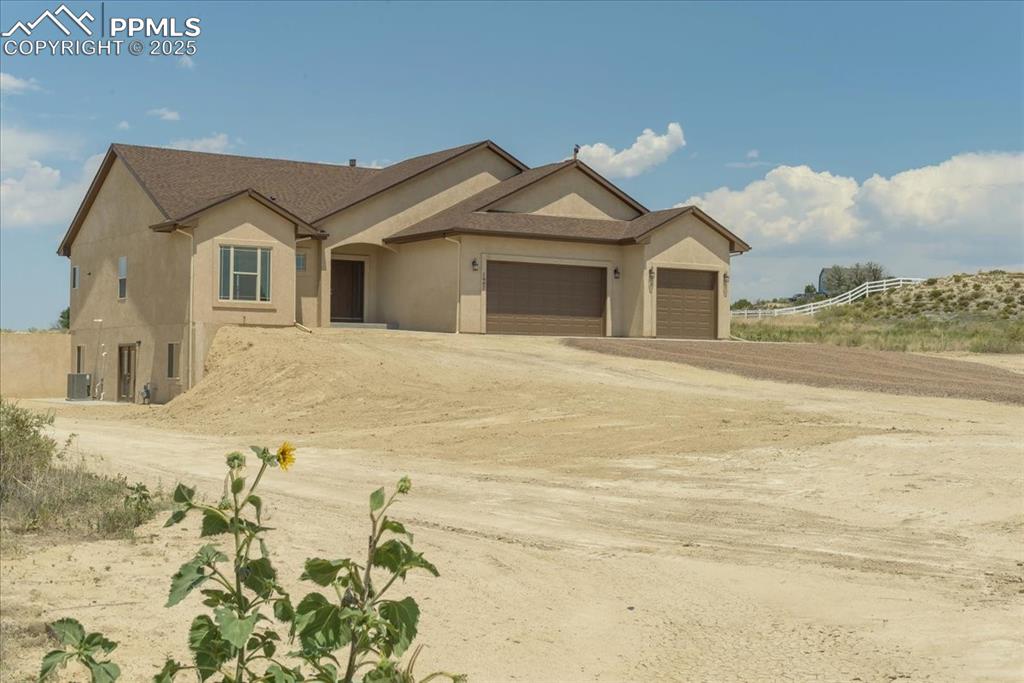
[823, 365]
[594, 517]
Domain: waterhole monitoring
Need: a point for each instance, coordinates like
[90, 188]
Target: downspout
[191, 282]
[458, 285]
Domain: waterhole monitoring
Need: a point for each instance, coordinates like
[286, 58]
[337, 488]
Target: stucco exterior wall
[155, 310]
[419, 286]
[307, 284]
[34, 364]
[410, 202]
[688, 243]
[568, 193]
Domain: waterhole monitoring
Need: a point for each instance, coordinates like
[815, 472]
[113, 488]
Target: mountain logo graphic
[54, 16]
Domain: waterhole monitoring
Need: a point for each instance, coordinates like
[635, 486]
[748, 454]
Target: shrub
[357, 632]
[930, 281]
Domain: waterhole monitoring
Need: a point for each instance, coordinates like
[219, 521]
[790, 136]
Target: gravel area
[822, 365]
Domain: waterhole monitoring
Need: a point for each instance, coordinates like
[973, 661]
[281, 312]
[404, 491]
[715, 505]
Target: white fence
[859, 292]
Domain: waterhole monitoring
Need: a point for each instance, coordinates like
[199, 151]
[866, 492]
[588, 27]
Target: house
[170, 245]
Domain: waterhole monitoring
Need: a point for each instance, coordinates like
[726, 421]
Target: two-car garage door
[544, 298]
[687, 304]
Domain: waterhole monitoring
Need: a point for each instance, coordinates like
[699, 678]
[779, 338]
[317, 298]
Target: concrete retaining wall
[34, 364]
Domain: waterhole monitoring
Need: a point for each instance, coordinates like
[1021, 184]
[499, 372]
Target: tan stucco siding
[687, 243]
[568, 193]
[406, 204]
[155, 310]
[307, 283]
[34, 364]
[484, 249]
[419, 285]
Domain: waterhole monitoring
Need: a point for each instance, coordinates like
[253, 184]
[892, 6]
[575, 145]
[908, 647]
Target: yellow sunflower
[286, 455]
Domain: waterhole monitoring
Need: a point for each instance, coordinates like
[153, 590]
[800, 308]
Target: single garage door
[541, 298]
[687, 304]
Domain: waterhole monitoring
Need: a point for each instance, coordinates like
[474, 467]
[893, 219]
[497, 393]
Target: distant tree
[64, 320]
[741, 305]
[838, 279]
[810, 289]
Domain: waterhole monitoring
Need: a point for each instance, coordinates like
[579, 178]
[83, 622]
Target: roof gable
[573, 190]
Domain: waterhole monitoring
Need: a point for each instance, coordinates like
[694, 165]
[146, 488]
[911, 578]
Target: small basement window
[79, 359]
[244, 274]
[74, 277]
[122, 277]
[300, 261]
[173, 360]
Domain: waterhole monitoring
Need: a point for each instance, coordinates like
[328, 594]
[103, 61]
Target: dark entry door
[347, 291]
[126, 373]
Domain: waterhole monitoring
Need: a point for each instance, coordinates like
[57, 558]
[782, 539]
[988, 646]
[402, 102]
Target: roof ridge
[242, 156]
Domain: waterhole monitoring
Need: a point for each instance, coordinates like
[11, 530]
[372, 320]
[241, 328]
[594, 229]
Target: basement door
[545, 299]
[687, 304]
[126, 373]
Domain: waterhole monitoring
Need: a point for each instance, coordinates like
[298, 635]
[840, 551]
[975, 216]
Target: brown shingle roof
[182, 182]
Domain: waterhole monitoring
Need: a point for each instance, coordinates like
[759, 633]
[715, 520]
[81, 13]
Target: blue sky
[822, 133]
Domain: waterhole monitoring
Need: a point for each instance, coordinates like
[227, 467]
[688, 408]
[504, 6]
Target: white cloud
[186, 62]
[962, 214]
[18, 147]
[753, 154]
[649, 150]
[216, 142]
[124, 125]
[752, 160]
[40, 196]
[12, 85]
[165, 114]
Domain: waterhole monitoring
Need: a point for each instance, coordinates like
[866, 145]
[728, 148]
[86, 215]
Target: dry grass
[981, 313]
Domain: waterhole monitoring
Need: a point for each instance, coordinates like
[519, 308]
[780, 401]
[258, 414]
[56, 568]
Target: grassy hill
[983, 313]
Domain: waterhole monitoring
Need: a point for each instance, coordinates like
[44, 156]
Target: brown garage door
[541, 298]
[687, 304]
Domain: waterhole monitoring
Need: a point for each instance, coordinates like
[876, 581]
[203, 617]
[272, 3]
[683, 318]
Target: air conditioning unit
[79, 384]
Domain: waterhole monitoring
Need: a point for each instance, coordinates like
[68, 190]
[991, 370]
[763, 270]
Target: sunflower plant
[356, 635]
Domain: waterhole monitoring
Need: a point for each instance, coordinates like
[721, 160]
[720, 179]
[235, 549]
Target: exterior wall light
[475, 264]
[650, 276]
[725, 283]
[616, 274]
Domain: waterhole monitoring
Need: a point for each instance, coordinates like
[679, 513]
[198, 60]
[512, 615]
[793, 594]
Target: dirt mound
[467, 397]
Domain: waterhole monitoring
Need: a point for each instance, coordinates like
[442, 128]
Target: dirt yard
[593, 516]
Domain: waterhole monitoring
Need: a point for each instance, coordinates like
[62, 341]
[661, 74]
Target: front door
[126, 373]
[347, 291]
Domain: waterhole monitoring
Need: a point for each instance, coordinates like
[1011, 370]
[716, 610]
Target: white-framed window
[174, 360]
[122, 277]
[244, 273]
[79, 359]
[300, 261]
[74, 277]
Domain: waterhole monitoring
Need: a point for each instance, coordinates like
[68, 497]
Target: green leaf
[323, 572]
[257, 503]
[398, 557]
[209, 650]
[261, 577]
[183, 494]
[320, 624]
[283, 610]
[176, 516]
[214, 523]
[277, 674]
[264, 454]
[103, 672]
[55, 659]
[377, 500]
[234, 630]
[237, 484]
[167, 674]
[192, 574]
[403, 616]
[68, 632]
[395, 528]
[94, 642]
